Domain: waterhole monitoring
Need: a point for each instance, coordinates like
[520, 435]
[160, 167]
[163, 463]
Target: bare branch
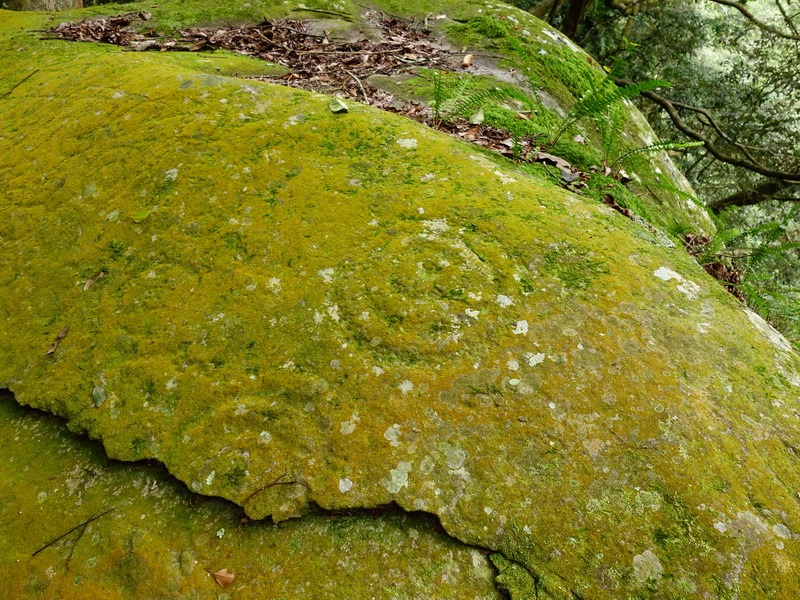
[745, 163]
[766, 190]
[758, 23]
[787, 18]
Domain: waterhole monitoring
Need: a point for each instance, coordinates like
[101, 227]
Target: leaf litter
[320, 63]
[317, 62]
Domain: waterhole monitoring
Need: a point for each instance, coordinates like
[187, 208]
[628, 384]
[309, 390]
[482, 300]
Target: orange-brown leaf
[223, 577]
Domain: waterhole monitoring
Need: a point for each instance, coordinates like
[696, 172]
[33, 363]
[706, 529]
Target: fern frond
[601, 97]
[652, 148]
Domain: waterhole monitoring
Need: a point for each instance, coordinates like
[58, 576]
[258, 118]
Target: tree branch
[758, 23]
[766, 190]
[671, 109]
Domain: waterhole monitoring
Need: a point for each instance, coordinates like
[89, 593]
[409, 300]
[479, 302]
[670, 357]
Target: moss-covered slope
[290, 307]
[77, 525]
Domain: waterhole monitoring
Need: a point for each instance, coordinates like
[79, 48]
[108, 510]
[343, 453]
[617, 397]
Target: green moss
[404, 291]
[139, 533]
[574, 267]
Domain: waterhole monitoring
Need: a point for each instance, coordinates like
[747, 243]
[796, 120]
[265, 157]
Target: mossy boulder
[294, 309]
[132, 531]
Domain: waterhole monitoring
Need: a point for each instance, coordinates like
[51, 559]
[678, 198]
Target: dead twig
[344, 16]
[84, 524]
[19, 83]
[359, 52]
[277, 481]
[358, 81]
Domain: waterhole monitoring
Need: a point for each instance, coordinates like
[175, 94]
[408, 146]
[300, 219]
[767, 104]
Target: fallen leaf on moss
[223, 577]
[60, 337]
[99, 395]
[337, 106]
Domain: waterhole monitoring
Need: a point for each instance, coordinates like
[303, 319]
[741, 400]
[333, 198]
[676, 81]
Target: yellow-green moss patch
[289, 307]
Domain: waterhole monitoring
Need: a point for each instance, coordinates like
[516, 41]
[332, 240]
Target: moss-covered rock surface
[291, 309]
[74, 524]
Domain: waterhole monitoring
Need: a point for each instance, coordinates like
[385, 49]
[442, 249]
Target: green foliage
[653, 148]
[595, 104]
[459, 98]
[766, 255]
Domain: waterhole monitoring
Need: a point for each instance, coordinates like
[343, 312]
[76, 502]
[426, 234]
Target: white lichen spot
[265, 437]
[318, 317]
[41, 497]
[470, 312]
[769, 332]
[504, 301]
[274, 285]
[210, 478]
[347, 427]
[689, 288]
[118, 95]
[326, 274]
[534, 359]
[454, 457]
[521, 328]
[171, 384]
[488, 510]
[427, 177]
[171, 174]
[333, 312]
[665, 274]
[407, 142]
[398, 478]
[782, 531]
[704, 327]
[721, 527]
[345, 485]
[504, 179]
[434, 228]
[646, 566]
[406, 386]
[378, 371]
[512, 365]
[513, 382]
[393, 434]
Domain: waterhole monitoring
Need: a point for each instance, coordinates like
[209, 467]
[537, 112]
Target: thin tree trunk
[575, 13]
[541, 9]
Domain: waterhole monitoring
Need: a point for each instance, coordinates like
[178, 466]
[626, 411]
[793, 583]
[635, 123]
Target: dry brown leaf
[223, 577]
[60, 337]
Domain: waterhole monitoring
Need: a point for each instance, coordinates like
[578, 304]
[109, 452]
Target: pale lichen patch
[647, 566]
[398, 477]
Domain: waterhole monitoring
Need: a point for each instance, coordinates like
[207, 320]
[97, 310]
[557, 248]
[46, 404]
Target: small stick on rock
[84, 524]
[19, 83]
